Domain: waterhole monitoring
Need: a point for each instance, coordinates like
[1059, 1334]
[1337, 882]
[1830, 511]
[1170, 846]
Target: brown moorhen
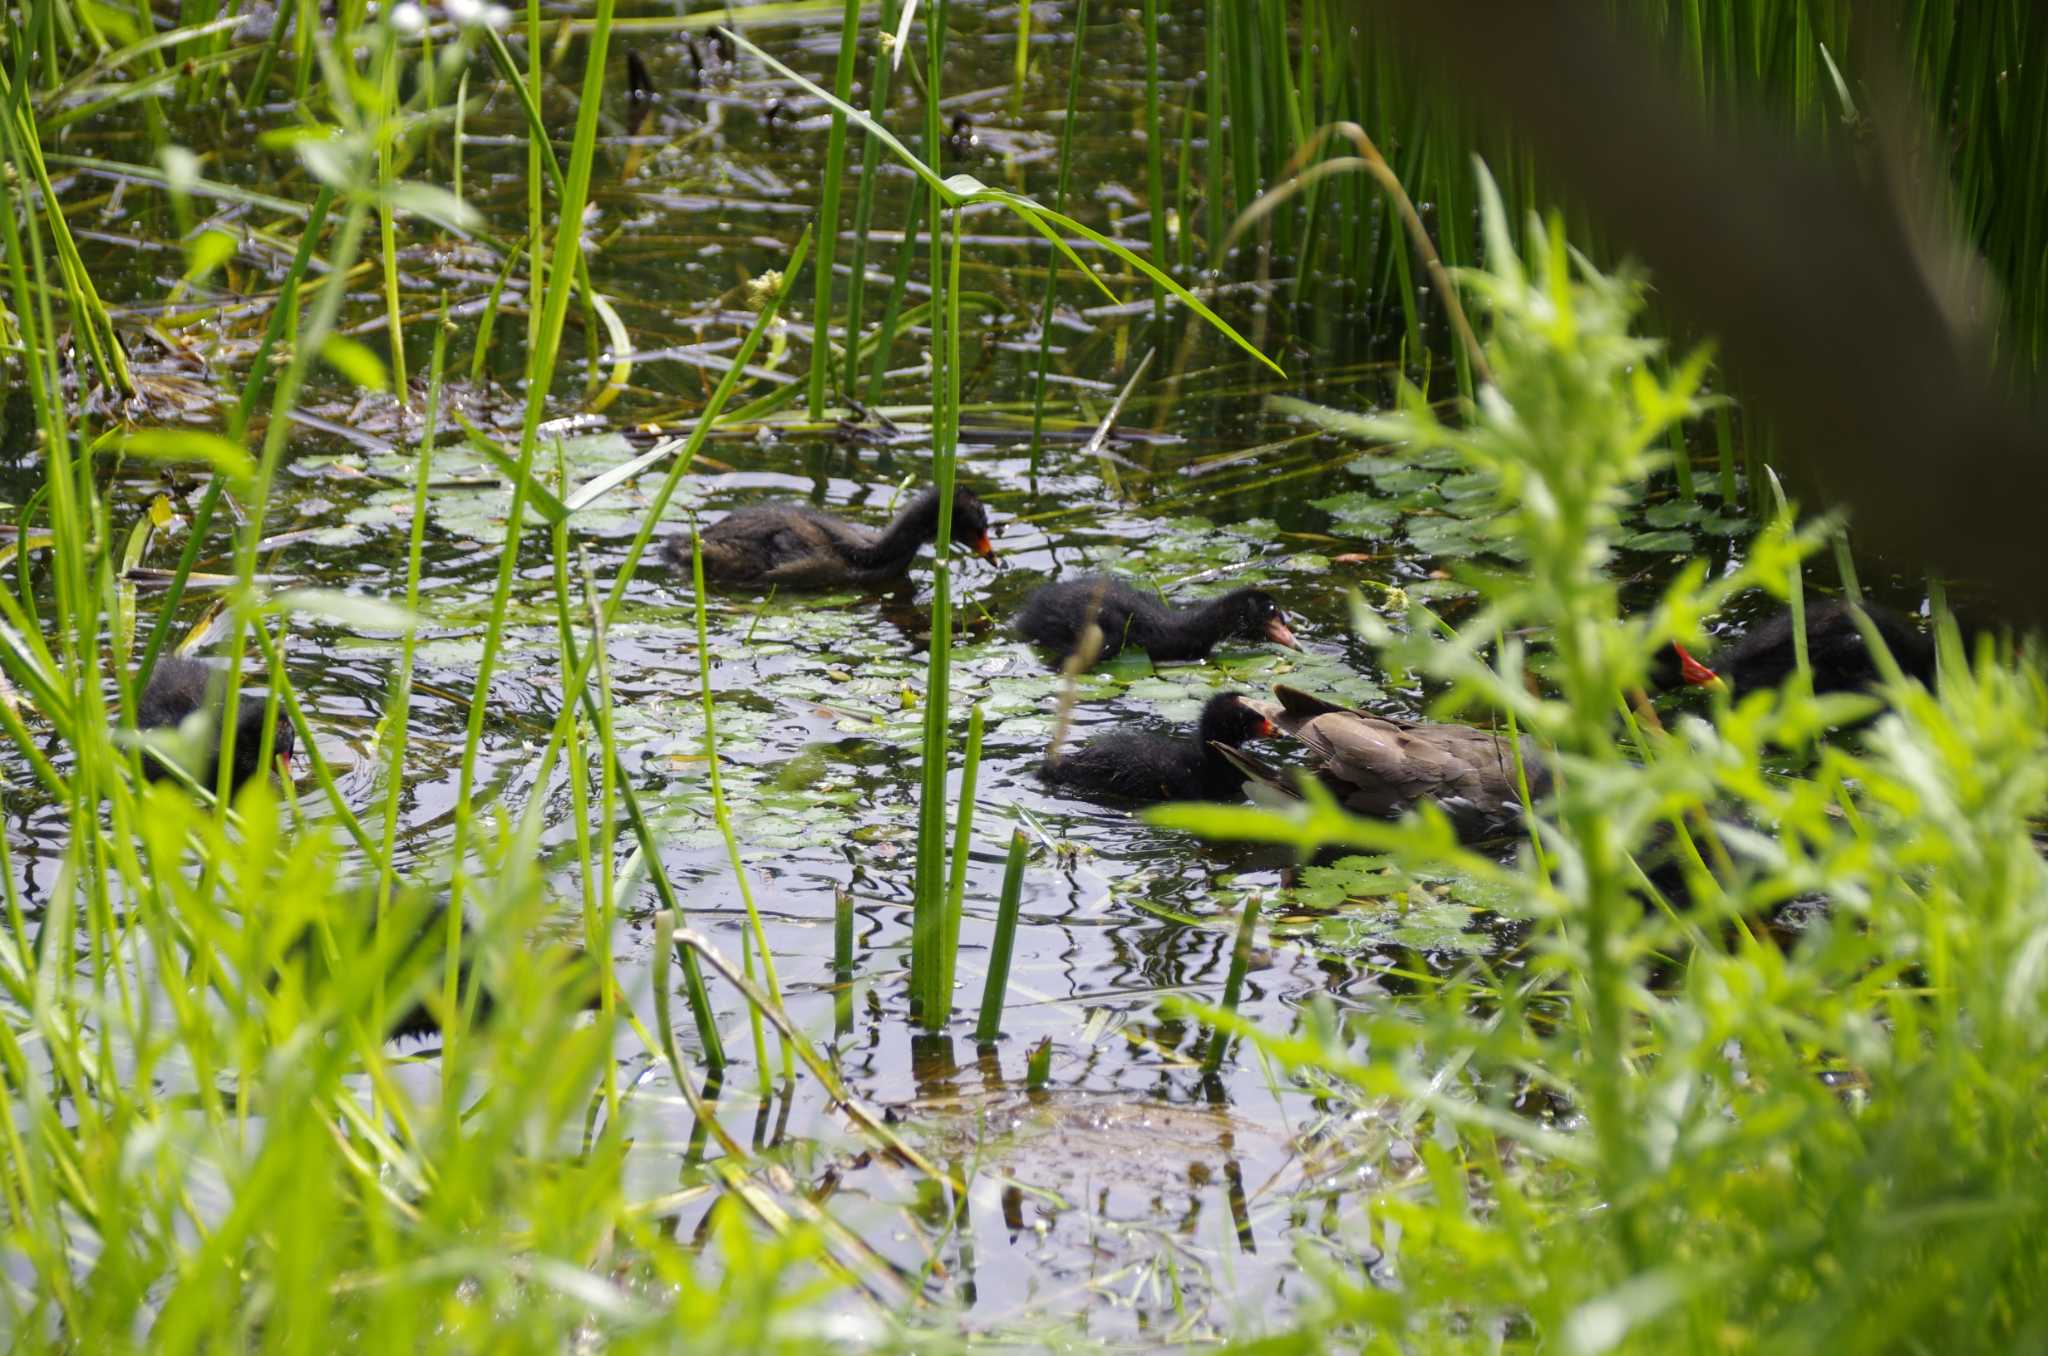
[1381, 767]
[1142, 766]
[178, 688]
[1056, 616]
[798, 547]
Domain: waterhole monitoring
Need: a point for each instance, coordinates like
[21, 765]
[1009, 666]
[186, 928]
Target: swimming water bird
[1383, 768]
[178, 688]
[1835, 652]
[1146, 766]
[1057, 616]
[798, 547]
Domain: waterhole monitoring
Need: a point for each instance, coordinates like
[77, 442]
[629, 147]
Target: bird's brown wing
[1382, 767]
[1297, 708]
[1363, 760]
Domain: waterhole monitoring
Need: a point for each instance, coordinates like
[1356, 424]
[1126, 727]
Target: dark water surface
[1163, 1202]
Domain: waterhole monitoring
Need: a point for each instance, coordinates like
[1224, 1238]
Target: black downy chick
[1057, 616]
[796, 546]
[179, 687]
[1144, 766]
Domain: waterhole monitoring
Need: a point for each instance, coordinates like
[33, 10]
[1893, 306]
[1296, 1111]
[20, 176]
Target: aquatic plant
[561, 786]
[1676, 1125]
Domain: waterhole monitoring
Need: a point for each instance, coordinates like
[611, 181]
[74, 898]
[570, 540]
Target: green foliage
[207, 1143]
[1821, 1142]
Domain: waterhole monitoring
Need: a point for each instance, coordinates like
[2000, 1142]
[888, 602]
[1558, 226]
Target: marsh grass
[209, 1145]
[1003, 942]
[210, 1130]
[1276, 73]
[211, 1141]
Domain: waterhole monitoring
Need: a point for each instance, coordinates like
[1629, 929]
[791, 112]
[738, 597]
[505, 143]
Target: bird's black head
[1674, 667]
[970, 521]
[1259, 618]
[249, 738]
[1229, 719]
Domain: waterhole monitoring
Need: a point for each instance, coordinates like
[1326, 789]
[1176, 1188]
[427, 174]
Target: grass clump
[1673, 1129]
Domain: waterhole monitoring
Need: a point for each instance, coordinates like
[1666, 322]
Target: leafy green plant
[1816, 1142]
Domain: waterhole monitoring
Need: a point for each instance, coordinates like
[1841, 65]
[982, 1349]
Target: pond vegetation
[675, 926]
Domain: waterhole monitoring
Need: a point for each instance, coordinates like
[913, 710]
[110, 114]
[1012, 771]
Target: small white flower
[761, 287]
[498, 17]
[463, 13]
[409, 19]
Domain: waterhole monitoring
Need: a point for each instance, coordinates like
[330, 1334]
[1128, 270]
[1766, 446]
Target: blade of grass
[1003, 945]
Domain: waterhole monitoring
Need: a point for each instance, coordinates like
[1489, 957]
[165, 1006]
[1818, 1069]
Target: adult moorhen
[798, 547]
[1381, 767]
[1835, 652]
[1143, 766]
[180, 687]
[1057, 615]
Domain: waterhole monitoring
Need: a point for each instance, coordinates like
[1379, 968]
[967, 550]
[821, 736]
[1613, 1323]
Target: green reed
[724, 819]
[927, 943]
[828, 215]
[544, 339]
[1002, 945]
[938, 1000]
[842, 962]
[398, 705]
[225, 989]
[253, 387]
[880, 73]
[1155, 150]
[1233, 983]
[1079, 44]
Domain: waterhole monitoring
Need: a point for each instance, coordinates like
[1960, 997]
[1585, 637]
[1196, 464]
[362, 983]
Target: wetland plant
[1825, 1143]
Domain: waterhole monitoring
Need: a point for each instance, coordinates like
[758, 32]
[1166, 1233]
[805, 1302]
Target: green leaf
[206, 252]
[354, 610]
[1325, 418]
[356, 362]
[184, 444]
[1671, 539]
[599, 485]
[437, 205]
[1242, 823]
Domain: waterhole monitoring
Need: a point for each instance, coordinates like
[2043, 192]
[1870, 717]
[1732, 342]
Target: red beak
[1264, 730]
[982, 547]
[1694, 672]
[1277, 632]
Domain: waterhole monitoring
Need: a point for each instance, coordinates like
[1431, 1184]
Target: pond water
[1162, 1201]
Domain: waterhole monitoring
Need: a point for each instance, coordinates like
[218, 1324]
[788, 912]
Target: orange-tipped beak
[1277, 632]
[1264, 730]
[983, 549]
[1694, 672]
